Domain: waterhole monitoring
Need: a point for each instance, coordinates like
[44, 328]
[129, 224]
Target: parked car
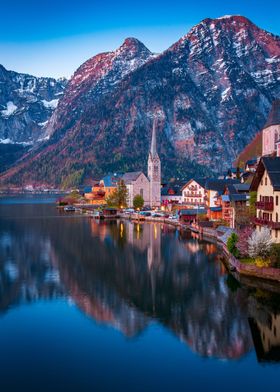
[145, 213]
[69, 209]
[129, 211]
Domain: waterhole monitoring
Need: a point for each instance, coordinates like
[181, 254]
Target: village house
[234, 173]
[215, 188]
[271, 131]
[251, 165]
[102, 189]
[190, 216]
[171, 195]
[266, 183]
[194, 193]
[235, 204]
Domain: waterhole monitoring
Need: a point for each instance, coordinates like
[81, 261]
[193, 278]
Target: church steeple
[153, 148]
[154, 170]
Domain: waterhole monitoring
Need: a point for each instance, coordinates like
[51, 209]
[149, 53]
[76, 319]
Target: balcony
[194, 204]
[265, 205]
[269, 223]
[193, 194]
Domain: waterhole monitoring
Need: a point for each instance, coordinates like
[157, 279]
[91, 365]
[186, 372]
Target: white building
[137, 184]
[194, 193]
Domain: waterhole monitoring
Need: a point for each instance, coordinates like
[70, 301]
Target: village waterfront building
[194, 193]
[171, 194]
[214, 189]
[102, 189]
[266, 183]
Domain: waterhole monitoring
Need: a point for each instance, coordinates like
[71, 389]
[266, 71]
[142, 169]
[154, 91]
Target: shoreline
[268, 276]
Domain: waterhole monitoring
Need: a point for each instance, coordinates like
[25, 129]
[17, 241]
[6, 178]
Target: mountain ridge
[213, 89]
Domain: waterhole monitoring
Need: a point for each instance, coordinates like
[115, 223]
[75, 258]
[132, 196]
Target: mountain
[211, 92]
[26, 104]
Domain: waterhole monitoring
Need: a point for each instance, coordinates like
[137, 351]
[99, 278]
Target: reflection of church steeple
[154, 257]
[154, 249]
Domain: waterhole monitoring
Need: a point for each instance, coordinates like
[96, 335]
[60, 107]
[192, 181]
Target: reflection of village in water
[127, 275]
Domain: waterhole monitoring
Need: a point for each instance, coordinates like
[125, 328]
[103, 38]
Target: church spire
[153, 149]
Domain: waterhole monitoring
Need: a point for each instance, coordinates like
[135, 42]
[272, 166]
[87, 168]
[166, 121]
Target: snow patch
[11, 108]
[10, 141]
[225, 94]
[272, 60]
[50, 104]
[226, 17]
[44, 138]
[42, 124]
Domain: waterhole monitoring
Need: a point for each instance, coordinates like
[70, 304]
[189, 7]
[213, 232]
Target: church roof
[111, 180]
[274, 115]
[272, 166]
[131, 176]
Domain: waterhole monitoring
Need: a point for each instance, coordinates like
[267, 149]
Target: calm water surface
[117, 306]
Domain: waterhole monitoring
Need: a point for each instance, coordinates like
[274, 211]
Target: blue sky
[53, 37]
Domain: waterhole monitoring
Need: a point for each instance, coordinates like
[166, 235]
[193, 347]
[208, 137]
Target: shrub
[259, 244]
[231, 244]
[243, 237]
[275, 255]
[261, 262]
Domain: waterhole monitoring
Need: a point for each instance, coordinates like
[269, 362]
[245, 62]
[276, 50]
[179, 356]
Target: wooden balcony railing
[265, 205]
[266, 222]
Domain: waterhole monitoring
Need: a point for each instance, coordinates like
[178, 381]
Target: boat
[106, 213]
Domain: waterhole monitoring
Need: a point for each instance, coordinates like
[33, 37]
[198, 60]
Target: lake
[121, 306]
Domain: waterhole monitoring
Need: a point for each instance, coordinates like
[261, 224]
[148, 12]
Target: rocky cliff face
[211, 91]
[26, 104]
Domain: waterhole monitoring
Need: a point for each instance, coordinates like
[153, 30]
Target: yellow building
[102, 189]
[266, 183]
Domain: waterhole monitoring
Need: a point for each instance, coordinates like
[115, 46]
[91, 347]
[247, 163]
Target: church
[271, 132]
[148, 187]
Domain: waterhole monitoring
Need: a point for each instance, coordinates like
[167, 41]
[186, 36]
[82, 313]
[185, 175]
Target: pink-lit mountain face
[211, 91]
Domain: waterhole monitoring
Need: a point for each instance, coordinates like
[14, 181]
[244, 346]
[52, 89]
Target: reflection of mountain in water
[26, 272]
[126, 275]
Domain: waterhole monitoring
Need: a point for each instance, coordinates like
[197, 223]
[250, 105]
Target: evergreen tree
[252, 202]
[118, 198]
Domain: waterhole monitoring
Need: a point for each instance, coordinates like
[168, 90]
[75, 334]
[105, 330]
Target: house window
[276, 216]
[265, 181]
[276, 200]
[141, 192]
